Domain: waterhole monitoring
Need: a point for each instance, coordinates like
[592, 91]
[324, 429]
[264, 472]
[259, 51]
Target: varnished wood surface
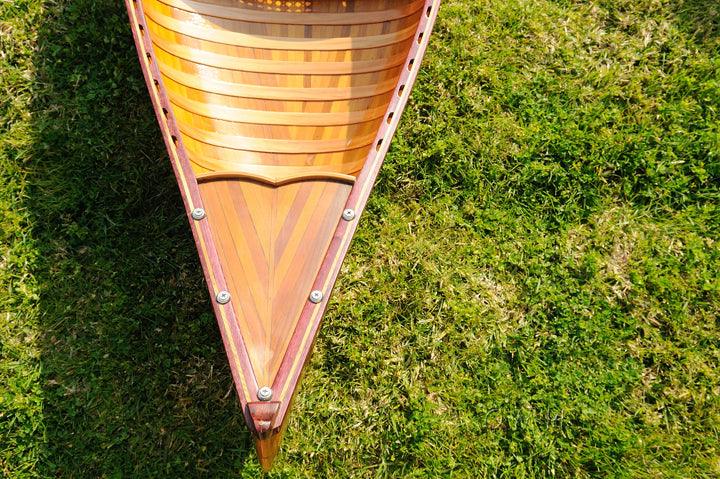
[251, 84]
[277, 115]
[271, 241]
[264, 12]
[264, 414]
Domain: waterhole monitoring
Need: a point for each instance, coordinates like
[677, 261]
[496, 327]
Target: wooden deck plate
[274, 150]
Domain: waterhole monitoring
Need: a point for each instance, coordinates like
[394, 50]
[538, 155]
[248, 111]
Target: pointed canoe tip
[267, 449]
[267, 434]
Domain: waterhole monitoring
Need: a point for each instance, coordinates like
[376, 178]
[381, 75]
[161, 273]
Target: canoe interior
[275, 113]
[280, 89]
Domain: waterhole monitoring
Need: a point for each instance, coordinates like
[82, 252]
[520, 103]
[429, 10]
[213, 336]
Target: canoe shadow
[135, 380]
[701, 19]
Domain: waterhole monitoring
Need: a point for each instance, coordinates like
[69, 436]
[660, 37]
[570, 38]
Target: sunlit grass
[533, 291]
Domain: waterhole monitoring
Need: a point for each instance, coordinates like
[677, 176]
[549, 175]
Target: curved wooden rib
[252, 161]
[278, 146]
[264, 117]
[228, 62]
[236, 160]
[277, 117]
[275, 93]
[260, 16]
[239, 39]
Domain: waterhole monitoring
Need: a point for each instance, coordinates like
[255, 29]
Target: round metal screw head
[348, 214]
[198, 214]
[223, 297]
[264, 393]
[316, 296]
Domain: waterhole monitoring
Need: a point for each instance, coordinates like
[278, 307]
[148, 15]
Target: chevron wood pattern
[271, 240]
[277, 115]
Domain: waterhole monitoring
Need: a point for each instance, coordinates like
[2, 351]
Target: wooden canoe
[277, 115]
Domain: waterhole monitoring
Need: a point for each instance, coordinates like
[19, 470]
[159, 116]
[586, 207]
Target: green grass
[533, 291]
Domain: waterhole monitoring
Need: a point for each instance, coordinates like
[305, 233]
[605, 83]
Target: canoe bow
[277, 117]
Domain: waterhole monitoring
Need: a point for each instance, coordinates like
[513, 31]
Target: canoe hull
[281, 368]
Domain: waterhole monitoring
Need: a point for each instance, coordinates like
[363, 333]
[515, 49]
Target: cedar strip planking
[274, 120]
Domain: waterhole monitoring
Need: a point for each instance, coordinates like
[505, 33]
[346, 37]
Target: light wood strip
[275, 43]
[307, 250]
[277, 172]
[247, 15]
[230, 157]
[293, 238]
[267, 117]
[270, 145]
[287, 303]
[235, 252]
[275, 93]
[277, 66]
[250, 210]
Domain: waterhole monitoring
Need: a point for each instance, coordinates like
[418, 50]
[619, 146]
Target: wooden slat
[310, 18]
[275, 93]
[204, 163]
[238, 39]
[269, 145]
[266, 117]
[278, 66]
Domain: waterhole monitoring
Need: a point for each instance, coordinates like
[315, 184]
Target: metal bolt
[198, 214]
[348, 214]
[223, 297]
[316, 296]
[264, 393]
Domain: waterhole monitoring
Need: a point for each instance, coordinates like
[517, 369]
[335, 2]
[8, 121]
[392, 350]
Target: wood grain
[277, 115]
[271, 240]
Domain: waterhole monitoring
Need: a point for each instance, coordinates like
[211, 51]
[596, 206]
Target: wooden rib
[267, 117]
[260, 16]
[278, 66]
[275, 93]
[289, 106]
[204, 163]
[289, 175]
[238, 39]
[269, 145]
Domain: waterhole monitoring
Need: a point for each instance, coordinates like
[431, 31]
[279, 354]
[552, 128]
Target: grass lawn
[534, 291]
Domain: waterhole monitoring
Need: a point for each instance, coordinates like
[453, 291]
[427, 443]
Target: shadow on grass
[136, 382]
[701, 19]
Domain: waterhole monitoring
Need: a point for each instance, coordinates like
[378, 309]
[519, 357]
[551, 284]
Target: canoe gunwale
[285, 384]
